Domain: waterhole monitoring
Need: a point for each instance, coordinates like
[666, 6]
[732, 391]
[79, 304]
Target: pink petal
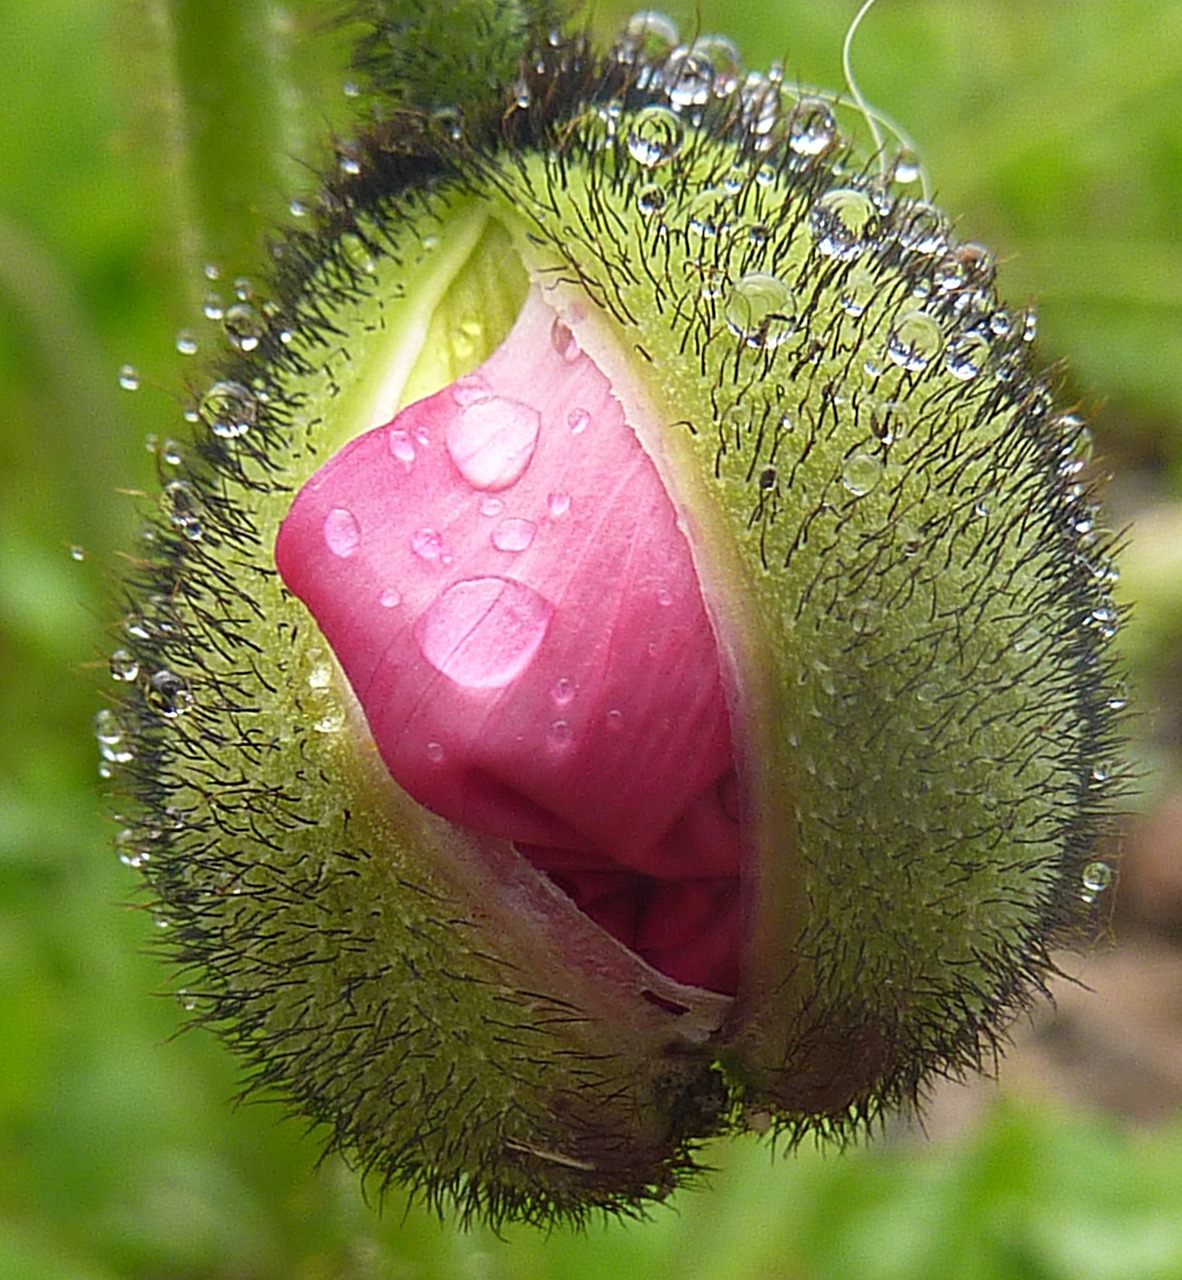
[501, 575]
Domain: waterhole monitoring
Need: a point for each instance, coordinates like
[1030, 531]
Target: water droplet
[655, 137]
[184, 509]
[514, 534]
[212, 271]
[357, 253]
[427, 544]
[651, 199]
[129, 378]
[578, 420]
[563, 340]
[243, 288]
[244, 327]
[1029, 325]
[967, 355]
[483, 632]
[563, 692]
[860, 472]
[843, 222]
[813, 129]
[1096, 878]
[648, 36]
[664, 597]
[890, 420]
[921, 227]
[186, 343]
[690, 78]
[470, 389]
[229, 409]
[401, 446]
[349, 158]
[707, 213]
[915, 341]
[342, 533]
[130, 849]
[492, 441]
[491, 506]
[77, 553]
[614, 719]
[560, 735]
[858, 291]
[985, 504]
[719, 55]
[351, 89]
[906, 167]
[110, 734]
[390, 598]
[558, 504]
[124, 666]
[213, 308]
[434, 752]
[761, 309]
[331, 720]
[169, 694]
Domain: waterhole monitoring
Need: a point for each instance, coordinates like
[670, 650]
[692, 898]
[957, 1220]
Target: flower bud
[626, 658]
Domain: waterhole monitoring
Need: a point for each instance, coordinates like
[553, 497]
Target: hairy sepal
[906, 594]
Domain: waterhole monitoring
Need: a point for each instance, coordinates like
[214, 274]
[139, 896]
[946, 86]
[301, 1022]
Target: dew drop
[664, 597]
[560, 734]
[648, 36]
[967, 355]
[1096, 878]
[563, 340]
[906, 167]
[483, 632]
[558, 504]
[921, 227]
[124, 666]
[860, 472]
[357, 253]
[244, 327]
[401, 446]
[563, 692]
[332, 719]
[578, 420]
[514, 534]
[169, 694]
[858, 291]
[435, 752]
[427, 544]
[229, 409]
[492, 441]
[77, 553]
[761, 309]
[707, 212]
[614, 719]
[470, 389]
[129, 378]
[491, 506]
[651, 199]
[690, 78]
[655, 137]
[842, 222]
[342, 533]
[110, 735]
[186, 343]
[213, 308]
[813, 129]
[390, 598]
[915, 341]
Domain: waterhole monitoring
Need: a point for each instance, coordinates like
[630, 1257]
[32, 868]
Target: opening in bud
[501, 575]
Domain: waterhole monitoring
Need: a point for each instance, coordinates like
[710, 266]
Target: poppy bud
[626, 659]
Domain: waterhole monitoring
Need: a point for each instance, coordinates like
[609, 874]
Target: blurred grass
[142, 140]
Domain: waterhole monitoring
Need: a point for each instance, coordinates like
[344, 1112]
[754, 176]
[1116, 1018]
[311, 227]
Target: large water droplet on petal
[492, 441]
[483, 632]
[342, 533]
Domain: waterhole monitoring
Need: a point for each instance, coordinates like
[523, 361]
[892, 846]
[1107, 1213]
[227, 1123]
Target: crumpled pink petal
[501, 575]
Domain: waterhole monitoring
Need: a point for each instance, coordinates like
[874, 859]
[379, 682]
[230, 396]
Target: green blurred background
[139, 141]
